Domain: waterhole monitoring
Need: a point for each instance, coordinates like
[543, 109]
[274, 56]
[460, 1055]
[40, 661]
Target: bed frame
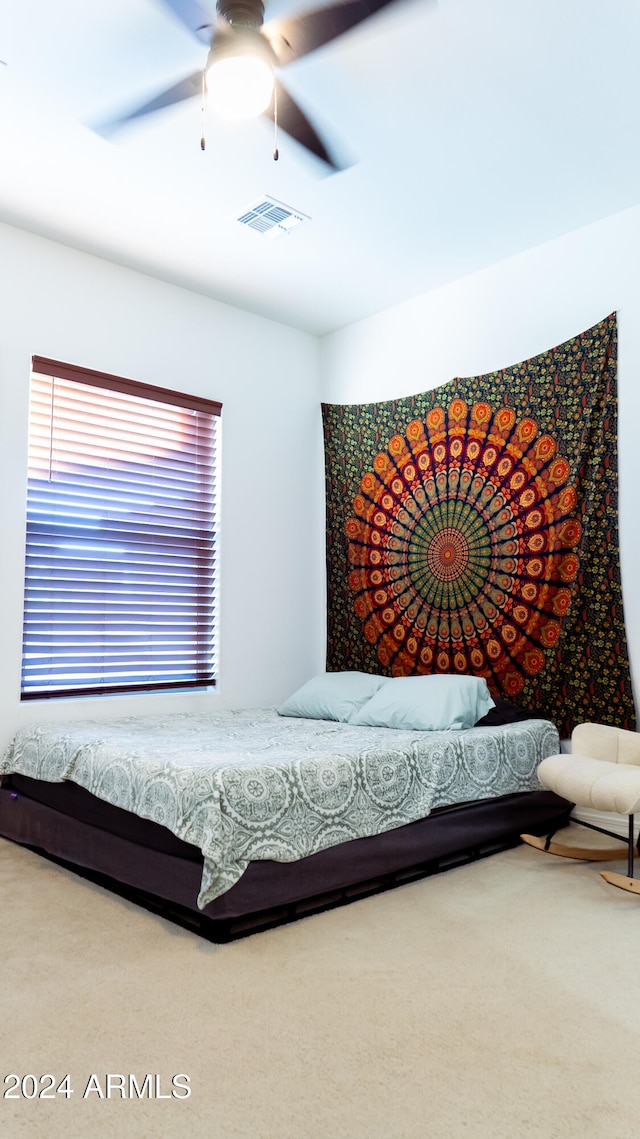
[147, 864]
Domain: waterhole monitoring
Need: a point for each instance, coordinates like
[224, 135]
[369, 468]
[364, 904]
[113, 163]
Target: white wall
[501, 316]
[60, 303]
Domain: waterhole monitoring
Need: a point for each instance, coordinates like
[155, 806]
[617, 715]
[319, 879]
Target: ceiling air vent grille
[271, 217]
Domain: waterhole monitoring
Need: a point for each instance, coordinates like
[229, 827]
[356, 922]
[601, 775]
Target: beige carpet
[497, 1001]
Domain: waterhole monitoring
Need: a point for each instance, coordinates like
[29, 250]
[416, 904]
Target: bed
[232, 822]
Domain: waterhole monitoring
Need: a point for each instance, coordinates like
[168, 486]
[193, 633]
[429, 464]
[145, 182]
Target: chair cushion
[592, 782]
[603, 741]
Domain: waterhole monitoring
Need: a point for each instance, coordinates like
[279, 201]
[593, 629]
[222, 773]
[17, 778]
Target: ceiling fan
[239, 41]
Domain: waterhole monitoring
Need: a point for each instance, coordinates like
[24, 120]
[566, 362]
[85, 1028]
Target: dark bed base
[145, 863]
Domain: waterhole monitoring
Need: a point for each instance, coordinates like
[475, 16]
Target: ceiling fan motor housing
[246, 13]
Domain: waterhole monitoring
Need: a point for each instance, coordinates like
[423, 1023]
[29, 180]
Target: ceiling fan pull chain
[276, 153]
[203, 141]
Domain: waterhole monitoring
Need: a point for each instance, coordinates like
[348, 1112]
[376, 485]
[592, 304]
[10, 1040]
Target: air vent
[271, 217]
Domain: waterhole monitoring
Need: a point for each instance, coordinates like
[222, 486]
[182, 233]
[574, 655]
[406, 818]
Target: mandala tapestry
[474, 529]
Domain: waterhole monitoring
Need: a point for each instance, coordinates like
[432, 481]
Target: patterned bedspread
[253, 785]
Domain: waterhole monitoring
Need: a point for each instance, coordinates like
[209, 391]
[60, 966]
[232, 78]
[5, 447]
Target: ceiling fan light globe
[239, 86]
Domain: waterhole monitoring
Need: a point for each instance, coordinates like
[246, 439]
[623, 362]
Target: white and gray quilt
[250, 785]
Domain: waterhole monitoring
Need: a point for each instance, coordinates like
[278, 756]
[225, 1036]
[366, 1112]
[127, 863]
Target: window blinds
[119, 583]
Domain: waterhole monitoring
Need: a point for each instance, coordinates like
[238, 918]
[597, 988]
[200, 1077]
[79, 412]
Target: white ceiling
[478, 128]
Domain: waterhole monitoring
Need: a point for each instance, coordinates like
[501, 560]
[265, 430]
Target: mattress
[248, 786]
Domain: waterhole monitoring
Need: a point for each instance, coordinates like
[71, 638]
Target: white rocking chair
[601, 772]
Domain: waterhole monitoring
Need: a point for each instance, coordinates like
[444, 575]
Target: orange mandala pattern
[462, 546]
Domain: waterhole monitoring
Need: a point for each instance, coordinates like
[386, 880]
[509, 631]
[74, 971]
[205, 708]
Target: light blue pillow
[441, 702]
[332, 696]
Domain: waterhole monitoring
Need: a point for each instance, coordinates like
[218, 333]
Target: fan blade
[292, 120]
[199, 18]
[186, 89]
[297, 36]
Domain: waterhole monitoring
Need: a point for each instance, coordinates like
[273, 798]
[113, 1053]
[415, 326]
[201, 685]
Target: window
[119, 584]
